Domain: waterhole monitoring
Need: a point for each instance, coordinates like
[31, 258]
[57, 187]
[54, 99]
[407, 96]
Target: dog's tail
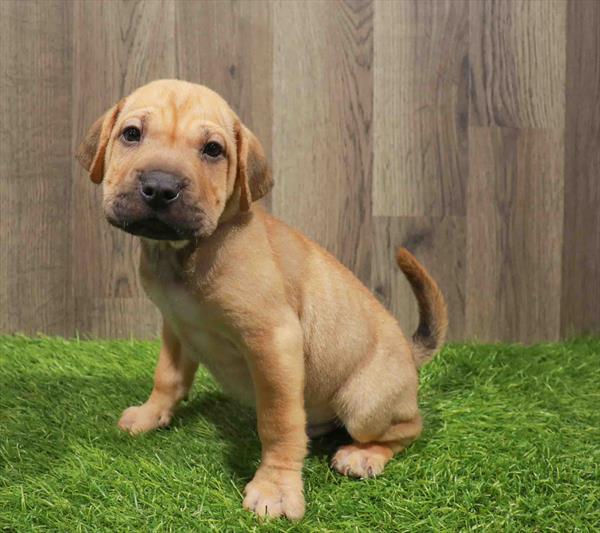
[433, 314]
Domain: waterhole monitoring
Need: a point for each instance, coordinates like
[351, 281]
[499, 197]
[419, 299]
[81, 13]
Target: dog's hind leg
[378, 407]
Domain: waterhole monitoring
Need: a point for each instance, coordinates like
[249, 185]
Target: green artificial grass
[511, 443]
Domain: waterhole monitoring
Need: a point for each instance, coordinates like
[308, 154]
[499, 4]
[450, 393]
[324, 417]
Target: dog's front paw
[275, 492]
[142, 418]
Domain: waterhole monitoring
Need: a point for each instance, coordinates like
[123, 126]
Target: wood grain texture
[581, 249]
[420, 108]
[517, 55]
[35, 164]
[439, 244]
[228, 46]
[322, 116]
[467, 129]
[118, 46]
[514, 234]
[516, 176]
[420, 150]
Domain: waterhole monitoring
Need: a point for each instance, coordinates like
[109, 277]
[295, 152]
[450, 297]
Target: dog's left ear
[92, 150]
[253, 172]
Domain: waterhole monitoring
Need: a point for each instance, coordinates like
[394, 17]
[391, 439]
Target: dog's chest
[201, 327]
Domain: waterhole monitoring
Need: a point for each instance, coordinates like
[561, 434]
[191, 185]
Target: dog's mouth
[185, 223]
[153, 228]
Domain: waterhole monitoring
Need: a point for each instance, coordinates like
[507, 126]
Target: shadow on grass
[236, 425]
[44, 416]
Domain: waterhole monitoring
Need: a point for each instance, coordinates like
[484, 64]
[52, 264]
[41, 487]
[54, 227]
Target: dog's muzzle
[156, 208]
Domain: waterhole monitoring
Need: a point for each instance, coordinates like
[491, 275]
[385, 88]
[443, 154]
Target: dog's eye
[212, 149]
[131, 134]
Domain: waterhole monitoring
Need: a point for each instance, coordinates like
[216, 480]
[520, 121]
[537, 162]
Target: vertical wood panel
[516, 178]
[322, 114]
[35, 164]
[118, 46]
[421, 108]
[421, 150]
[581, 251]
[514, 234]
[467, 130]
[228, 47]
[517, 55]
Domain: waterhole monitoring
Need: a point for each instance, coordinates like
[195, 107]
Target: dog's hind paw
[361, 460]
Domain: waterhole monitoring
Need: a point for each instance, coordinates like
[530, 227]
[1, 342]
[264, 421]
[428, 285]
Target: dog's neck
[161, 247]
[164, 260]
[194, 259]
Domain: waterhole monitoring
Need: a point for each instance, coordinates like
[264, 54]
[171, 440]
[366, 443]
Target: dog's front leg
[173, 378]
[277, 366]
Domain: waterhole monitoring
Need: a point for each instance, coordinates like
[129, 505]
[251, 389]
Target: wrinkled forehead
[182, 104]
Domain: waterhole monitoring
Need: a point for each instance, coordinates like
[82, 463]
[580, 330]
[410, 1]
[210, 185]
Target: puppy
[277, 320]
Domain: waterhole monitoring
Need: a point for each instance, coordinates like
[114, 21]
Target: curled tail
[433, 315]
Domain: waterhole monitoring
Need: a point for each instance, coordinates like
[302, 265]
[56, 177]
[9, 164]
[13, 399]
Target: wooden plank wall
[467, 130]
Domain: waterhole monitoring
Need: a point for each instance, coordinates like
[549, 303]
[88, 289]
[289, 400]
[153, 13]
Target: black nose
[158, 188]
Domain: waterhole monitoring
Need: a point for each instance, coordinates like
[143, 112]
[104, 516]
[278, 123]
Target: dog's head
[173, 158]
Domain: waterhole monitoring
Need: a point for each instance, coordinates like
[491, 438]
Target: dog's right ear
[92, 150]
[253, 173]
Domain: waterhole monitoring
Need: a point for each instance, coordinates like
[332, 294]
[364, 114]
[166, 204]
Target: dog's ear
[92, 150]
[254, 176]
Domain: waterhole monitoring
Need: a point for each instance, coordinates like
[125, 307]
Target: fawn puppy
[279, 322]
